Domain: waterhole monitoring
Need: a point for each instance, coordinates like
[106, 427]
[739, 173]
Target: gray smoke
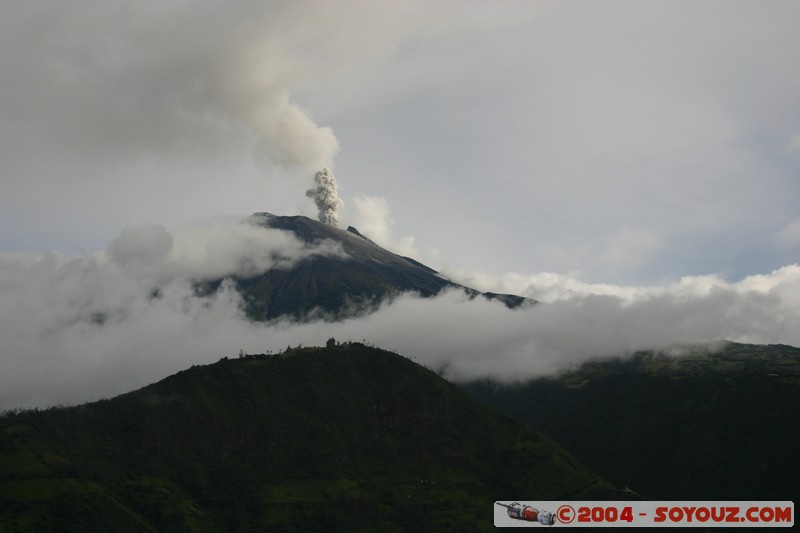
[326, 197]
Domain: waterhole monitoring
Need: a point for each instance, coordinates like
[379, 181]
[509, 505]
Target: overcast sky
[609, 154]
[617, 141]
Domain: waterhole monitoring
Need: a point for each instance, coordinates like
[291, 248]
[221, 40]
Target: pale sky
[631, 158]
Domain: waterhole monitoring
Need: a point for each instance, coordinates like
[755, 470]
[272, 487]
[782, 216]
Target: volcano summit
[337, 286]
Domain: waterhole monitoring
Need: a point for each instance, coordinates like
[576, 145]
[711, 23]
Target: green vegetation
[346, 437]
[700, 426]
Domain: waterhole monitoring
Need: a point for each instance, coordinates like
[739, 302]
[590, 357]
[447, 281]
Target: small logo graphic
[565, 514]
[528, 513]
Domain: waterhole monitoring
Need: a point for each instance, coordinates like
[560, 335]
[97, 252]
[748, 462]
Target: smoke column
[326, 197]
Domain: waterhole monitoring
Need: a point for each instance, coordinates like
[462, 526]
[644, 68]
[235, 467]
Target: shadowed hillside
[345, 438]
[704, 426]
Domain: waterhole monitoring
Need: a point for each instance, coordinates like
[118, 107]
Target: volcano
[336, 287]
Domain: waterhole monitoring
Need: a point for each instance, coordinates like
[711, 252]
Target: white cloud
[140, 246]
[473, 339]
[210, 248]
[372, 219]
[550, 287]
[213, 249]
[71, 326]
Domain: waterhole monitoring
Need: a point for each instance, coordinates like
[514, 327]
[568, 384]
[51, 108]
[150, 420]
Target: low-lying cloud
[471, 339]
[79, 328]
[74, 328]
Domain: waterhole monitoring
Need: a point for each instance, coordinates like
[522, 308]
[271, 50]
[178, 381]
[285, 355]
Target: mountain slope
[718, 426]
[342, 438]
[338, 286]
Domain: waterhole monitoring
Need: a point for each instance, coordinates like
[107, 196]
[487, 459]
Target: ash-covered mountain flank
[338, 286]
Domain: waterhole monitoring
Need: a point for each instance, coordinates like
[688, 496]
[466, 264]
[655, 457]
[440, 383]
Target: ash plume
[326, 197]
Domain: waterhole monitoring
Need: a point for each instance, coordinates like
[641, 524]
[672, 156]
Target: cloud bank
[76, 329]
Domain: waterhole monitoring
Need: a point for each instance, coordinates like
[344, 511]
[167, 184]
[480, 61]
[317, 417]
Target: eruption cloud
[326, 197]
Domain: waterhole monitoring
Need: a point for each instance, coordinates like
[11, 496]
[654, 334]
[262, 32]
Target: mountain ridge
[333, 287]
[342, 438]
